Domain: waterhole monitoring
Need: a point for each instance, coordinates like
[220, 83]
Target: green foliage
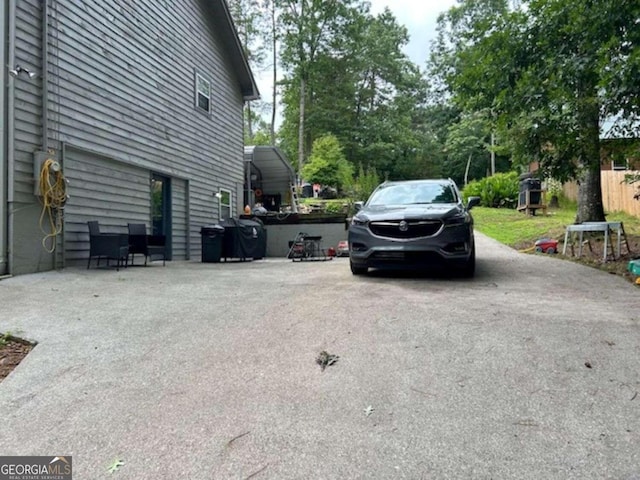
[498, 191]
[554, 188]
[334, 207]
[467, 144]
[550, 71]
[327, 164]
[365, 183]
[363, 89]
[632, 178]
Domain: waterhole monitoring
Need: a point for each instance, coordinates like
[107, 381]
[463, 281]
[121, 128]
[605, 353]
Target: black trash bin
[212, 237]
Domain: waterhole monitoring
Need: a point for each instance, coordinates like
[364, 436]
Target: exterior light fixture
[18, 70]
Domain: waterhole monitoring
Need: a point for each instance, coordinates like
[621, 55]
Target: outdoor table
[605, 227]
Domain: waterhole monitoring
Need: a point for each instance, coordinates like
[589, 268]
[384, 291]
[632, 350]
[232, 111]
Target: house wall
[3, 145]
[25, 248]
[121, 89]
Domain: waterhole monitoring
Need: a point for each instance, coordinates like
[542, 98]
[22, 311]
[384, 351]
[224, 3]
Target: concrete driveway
[207, 371]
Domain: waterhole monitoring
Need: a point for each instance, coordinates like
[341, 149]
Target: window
[619, 163]
[224, 204]
[203, 93]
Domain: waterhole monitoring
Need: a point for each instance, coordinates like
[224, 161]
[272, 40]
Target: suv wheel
[468, 269]
[357, 270]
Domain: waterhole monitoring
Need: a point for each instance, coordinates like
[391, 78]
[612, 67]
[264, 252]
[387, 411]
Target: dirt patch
[12, 351]
[593, 256]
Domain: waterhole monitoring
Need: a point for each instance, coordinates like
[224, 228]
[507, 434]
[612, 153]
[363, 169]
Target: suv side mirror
[358, 206]
[472, 202]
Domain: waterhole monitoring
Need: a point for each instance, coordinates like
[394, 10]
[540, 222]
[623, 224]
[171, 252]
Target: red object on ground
[331, 252]
[343, 249]
[547, 245]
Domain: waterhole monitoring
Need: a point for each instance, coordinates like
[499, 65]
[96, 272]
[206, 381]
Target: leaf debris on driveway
[115, 466]
[325, 359]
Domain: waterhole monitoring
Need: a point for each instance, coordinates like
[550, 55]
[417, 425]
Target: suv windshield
[413, 194]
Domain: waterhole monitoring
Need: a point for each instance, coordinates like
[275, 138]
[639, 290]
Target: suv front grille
[406, 229]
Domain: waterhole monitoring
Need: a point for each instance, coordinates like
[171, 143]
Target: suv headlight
[460, 219]
[359, 221]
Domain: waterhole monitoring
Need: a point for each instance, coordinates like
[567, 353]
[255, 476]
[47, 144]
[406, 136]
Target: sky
[419, 17]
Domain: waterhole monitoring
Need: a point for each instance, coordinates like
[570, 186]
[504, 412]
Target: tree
[327, 164]
[311, 27]
[545, 71]
[365, 183]
[467, 148]
[248, 17]
[364, 90]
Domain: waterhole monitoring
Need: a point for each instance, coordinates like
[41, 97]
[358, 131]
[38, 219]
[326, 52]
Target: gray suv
[413, 224]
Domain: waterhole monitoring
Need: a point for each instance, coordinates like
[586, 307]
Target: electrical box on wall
[39, 160]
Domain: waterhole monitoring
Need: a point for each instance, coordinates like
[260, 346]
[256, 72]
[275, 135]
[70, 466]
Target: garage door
[101, 189]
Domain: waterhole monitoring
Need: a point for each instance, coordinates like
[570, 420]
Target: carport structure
[269, 178]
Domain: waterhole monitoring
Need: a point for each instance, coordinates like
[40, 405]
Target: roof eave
[248, 86]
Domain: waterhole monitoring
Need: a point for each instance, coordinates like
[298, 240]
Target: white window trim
[198, 92]
[620, 166]
[220, 204]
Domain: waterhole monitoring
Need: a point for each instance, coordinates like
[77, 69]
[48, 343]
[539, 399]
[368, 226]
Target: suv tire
[468, 269]
[357, 270]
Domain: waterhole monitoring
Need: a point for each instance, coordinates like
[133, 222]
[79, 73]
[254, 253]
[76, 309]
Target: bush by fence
[499, 190]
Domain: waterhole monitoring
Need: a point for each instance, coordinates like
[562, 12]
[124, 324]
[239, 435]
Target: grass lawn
[519, 231]
[514, 228]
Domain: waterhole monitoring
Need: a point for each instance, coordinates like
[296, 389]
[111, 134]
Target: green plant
[365, 183]
[334, 207]
[497, 191]
[5, 338]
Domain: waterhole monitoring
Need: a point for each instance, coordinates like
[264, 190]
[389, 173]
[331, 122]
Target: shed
[269, 178]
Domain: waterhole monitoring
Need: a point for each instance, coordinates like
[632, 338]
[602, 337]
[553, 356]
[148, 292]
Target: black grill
[414, 228]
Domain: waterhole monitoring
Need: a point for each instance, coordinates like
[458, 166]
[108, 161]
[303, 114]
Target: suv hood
[409, 212]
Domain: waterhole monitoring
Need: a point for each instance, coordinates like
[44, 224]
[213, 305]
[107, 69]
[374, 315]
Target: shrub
[334, 207]
[498, 191]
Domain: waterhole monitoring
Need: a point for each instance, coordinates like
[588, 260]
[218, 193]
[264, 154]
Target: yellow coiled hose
[53, 191]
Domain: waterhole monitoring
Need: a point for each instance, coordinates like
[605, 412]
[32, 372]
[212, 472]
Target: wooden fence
[617, 196]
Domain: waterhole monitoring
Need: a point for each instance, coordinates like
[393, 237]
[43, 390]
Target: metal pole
[10, 133]
[45, 76]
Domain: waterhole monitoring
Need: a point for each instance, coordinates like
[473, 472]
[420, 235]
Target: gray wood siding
[124, 87]
[28, 98]
[26, 247]
[121, 83]
[179, 216]
[100, 189]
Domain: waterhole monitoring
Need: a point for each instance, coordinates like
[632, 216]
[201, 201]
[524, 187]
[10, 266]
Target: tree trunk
[493, 154]
[301, 126]
[590, 206]
[466, 171]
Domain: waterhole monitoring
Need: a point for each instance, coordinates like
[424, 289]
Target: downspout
[11, 58]
[45, 76]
